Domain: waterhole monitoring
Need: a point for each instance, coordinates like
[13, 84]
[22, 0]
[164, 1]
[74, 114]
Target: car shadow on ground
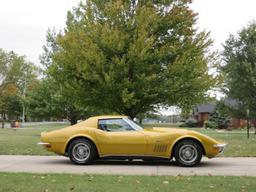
[141, 163]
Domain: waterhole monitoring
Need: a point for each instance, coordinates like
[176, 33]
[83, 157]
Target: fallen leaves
[90, 178]
[212, 186]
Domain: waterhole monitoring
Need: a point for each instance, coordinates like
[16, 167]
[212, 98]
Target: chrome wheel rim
[81, 152]
[188, 153]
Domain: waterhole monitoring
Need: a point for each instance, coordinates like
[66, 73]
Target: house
[202, 112]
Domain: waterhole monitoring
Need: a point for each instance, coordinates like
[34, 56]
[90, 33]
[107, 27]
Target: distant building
[203, 112]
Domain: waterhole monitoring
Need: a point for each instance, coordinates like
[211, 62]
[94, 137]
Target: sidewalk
[57, 164]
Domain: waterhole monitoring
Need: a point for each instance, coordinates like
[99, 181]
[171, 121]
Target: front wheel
[188, 153]
[82, 152]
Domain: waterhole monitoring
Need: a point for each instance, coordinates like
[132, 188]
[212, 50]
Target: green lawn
[66, 182]
[24, 141]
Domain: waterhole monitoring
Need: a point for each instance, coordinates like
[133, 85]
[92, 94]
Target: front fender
[184, 137]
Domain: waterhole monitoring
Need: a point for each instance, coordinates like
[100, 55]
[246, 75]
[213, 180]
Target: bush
[183, 125]
[210, 124]
[189, 123]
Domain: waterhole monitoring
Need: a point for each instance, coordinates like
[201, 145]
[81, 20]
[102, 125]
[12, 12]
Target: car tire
[82, 152]
[188, 153]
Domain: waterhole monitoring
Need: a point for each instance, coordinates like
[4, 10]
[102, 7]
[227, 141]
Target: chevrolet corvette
[118, 137]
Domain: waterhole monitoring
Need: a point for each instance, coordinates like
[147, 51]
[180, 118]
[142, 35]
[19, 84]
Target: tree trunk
[3, 119]
[140, 121]
[254, 124]
[73, 120]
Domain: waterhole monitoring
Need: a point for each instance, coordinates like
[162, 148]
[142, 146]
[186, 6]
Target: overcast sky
[23, 24]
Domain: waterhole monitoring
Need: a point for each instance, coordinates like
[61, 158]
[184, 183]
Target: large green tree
[240, 69]
[131, 56]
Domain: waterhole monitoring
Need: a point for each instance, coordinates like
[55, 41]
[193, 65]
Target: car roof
[93, 121]
[109, 116]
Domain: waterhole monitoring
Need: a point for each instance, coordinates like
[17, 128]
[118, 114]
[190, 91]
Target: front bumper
[220, 147]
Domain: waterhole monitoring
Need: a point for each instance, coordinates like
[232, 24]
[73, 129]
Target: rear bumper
[44, 144]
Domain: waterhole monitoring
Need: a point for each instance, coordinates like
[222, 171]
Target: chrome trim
[122, 155]
[220, 145]
[43, 143]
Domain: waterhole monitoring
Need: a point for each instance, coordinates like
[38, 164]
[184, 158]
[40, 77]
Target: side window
[114, 125]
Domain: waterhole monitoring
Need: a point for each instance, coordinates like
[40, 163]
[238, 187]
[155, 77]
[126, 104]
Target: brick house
[202, 113]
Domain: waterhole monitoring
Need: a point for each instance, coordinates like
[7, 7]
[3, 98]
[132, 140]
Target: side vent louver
[160, 148]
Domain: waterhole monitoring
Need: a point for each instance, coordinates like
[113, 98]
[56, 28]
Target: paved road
[25, 125]
[58, 164]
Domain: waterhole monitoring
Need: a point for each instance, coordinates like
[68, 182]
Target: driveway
[57, 164]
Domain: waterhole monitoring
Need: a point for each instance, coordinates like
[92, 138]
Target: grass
[238, 144]
[16, 182]
[24, 141]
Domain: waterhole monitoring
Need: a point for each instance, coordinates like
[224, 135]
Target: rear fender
[88, 137]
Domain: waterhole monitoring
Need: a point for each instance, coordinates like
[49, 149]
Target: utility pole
[24, 97]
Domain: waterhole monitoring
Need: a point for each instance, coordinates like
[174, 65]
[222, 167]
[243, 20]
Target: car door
[159, 142]
[117, 137]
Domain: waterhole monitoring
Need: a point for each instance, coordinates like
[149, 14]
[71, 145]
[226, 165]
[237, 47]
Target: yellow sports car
[119, 137]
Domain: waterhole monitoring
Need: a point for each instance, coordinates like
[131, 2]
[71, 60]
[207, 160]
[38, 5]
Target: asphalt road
[57, 164]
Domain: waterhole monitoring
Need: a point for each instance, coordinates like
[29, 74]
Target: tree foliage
[221, 115]
[240, 69]
[10, 102]
[47, 101]
[131, 56]
[15, 70]
[10, 69]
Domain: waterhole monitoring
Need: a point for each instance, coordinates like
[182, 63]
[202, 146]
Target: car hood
[179, 132]
[166, 130]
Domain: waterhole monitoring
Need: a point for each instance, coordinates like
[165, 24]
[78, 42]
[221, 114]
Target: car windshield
[133, 124]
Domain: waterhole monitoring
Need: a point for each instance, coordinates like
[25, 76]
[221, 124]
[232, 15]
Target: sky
[23, 24]
[224, 17]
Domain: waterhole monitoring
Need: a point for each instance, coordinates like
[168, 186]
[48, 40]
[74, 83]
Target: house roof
[206, 108]
[231, 102]
[210, 107]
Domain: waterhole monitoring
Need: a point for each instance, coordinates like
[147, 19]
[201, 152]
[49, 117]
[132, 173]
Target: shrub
[210, 124]
[183, 125]
[189, 123]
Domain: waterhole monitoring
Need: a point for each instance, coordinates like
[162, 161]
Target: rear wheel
[82, 152]
[188, 153]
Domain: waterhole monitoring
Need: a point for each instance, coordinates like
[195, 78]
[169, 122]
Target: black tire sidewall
[199, 153]
[91, 157]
